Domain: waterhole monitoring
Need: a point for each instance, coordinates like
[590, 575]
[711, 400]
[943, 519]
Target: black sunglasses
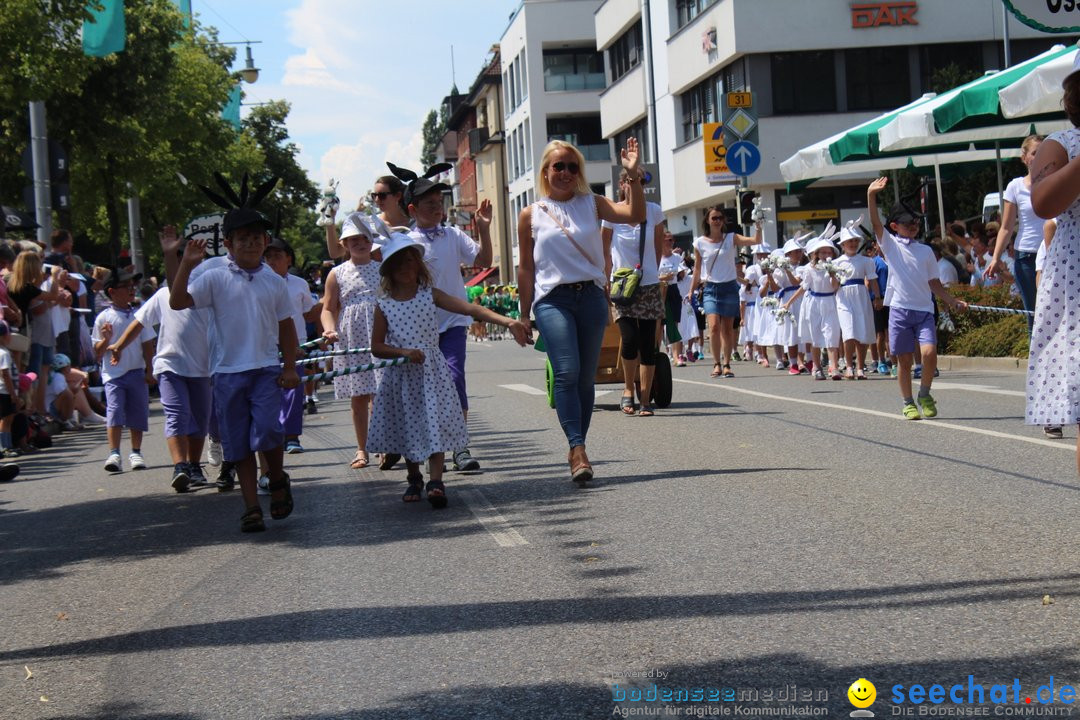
[570, 167]
[380, 195]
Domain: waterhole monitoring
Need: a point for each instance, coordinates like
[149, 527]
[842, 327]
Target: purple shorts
[908, 327]
[127, 401]
[452, 343]
[292, 411]
[186, 401]
[248, 405]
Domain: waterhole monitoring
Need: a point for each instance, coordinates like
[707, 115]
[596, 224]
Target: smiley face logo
[862, 693]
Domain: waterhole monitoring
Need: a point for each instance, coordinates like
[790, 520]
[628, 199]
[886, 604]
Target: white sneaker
[91, 419]
[214, 455]
[136, 461]
[112, 463]
[264, 485]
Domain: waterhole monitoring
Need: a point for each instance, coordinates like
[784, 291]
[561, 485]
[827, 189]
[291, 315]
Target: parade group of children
[820, 305]
[228, 344]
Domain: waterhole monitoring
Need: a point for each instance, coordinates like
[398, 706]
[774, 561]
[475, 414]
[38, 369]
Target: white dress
[1053, 380]
[853, 300]
[417, 410]
[787, 331]
[358, 287]
[748, 331]
[821, 320]
[688, 327]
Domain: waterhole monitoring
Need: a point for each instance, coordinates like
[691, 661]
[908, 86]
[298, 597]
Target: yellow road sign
[715, 151]
[740, 99]
[789, 215]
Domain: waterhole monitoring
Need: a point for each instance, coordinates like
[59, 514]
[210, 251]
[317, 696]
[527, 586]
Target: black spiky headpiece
[418, 185]
[240, 206]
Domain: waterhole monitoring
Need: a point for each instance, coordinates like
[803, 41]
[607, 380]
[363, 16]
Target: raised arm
[634, 213]
[179, 297]
[482, 218]
[871, 206]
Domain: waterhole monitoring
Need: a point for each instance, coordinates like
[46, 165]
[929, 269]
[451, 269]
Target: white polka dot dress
[417, 410]
[358, 287]
[1053, 385]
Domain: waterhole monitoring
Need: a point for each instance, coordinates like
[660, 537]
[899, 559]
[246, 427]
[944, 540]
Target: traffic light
[746, 206]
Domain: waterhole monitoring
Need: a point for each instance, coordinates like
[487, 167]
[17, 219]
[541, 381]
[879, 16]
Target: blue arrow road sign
[743, 158]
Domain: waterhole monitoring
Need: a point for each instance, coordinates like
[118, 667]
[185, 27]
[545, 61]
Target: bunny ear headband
[417, 185]
[851, 230]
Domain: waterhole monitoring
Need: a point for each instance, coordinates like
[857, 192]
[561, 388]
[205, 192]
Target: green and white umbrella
[970, 113]
[1038, 92]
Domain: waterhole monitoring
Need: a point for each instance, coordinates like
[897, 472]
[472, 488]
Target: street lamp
[249, 73]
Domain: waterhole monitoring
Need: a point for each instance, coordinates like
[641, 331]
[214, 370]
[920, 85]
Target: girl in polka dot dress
[417, 410]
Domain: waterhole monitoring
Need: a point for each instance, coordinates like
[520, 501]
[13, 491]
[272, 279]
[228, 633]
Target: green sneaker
[911, 412]
[929, 407]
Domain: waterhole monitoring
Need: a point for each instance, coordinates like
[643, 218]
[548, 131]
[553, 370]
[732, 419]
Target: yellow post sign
[740, 100]
[716, 169]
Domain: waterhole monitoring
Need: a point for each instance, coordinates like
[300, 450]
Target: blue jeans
[1024, 272]
[572, 319]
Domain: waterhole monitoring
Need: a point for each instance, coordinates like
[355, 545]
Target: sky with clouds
[361, 75]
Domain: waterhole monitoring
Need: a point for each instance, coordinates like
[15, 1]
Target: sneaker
[112, 463]
[917, 372]
[264, 484]
[311, 409]
[13, 453]
[226, 479]
[910, 411]
[293, 447]
[780, 365]
[928, 406]
[214, 456]
[806, 368]
[692, 357]
[736, 356]
[465, 462]
[882, 368]
[681, 361]
[819, 374]
[793, 370]
[1050, 431]
[196, 474]
[72, 425]
[135, 459]
[937, 373]
[180, 478]
[700, 355]
[8, 472]
[892, 371]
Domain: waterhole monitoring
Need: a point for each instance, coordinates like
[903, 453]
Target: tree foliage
[134, 121]
[433, 131]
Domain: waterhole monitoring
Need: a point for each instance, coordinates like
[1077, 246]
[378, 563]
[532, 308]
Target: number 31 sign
[1054, 16]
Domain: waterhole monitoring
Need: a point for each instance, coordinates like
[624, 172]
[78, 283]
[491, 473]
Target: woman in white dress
[1053, 385]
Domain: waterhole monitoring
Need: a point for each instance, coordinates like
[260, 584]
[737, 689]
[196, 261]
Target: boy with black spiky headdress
[252, 319]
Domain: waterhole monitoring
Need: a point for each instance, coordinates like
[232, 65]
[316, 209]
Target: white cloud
[357, 165]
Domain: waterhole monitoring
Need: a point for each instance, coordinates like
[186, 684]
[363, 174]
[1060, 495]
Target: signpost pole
[39, 145]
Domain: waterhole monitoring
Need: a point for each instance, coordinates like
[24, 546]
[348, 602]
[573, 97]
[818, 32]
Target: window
[878, 78]
[639, 130]
[515, 83]
[687, 10]
[524, 85]
[700, 105]
[528, 143]
[583, 132]
[519, 152]
[626, 53]
[568, 70]
[936, 75]
[803, 82]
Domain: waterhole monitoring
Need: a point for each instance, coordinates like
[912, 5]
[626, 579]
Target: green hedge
[983, 334]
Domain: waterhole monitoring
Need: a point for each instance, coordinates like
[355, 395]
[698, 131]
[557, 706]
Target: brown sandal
[360, 461]
[716, 371]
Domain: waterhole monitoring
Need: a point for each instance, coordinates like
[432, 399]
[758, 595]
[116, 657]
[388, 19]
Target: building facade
[552, 77]
[815, 68]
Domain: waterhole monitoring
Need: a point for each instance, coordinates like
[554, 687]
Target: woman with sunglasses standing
[387, 196]
[563, 269]
[714, 266]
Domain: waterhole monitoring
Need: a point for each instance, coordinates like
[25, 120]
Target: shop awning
[481, 276]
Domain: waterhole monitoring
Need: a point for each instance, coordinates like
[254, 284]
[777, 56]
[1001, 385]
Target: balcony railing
[571, 82]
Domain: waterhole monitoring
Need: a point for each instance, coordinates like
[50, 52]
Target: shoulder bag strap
[720, 245]
[569, 237]
[641, 245]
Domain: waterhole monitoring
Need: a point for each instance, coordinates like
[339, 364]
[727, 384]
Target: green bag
[625, 280]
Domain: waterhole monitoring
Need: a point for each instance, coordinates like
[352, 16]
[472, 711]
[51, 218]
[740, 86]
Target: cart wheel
[661, 384]
[549, 376]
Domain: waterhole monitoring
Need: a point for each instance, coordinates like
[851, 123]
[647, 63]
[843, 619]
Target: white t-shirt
[670, 265]
[301, 301]
[6, 364]
[1029, 231]
[911, 268]
[132, 356]
[245, 314]
[947, 272]
[59, 316]
[445, 252]
[684, 284]
[183, 344]
[717, 259]
[1040, 256]
[626, 241]
[57, 384]
[556, 261]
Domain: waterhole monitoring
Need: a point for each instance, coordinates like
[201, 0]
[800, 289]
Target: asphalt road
[763, 532]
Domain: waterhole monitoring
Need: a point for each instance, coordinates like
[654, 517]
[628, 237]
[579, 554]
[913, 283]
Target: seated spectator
[66, 394]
